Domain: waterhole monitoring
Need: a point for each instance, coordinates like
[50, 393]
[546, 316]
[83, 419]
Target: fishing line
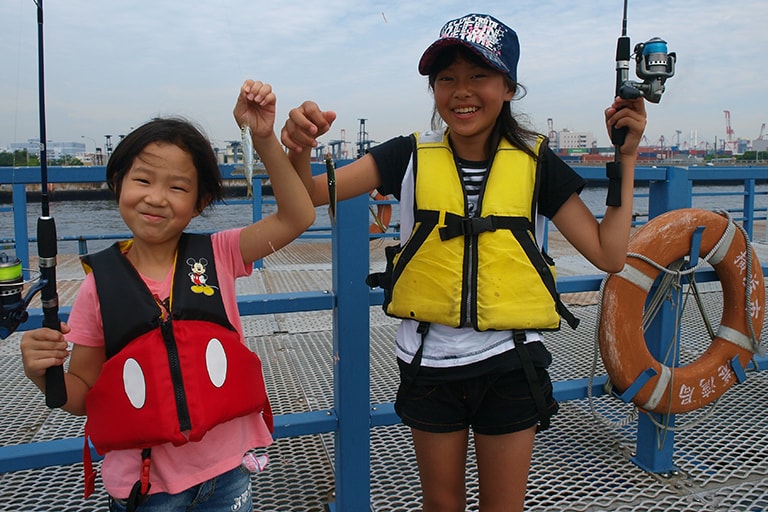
[18, 86]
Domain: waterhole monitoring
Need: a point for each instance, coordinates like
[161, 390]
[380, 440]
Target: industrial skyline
[111, 65]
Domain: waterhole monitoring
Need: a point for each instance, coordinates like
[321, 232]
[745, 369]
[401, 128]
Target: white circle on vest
[135, 385]
[216, 362]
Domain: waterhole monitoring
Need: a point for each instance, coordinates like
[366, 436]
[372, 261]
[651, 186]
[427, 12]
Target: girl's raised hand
[304, 125]
[255, 107]
[628, 114]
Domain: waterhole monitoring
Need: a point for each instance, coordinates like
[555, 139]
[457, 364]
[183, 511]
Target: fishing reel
[13, 308]
[654, 65]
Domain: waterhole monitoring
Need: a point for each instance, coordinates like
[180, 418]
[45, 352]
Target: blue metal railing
[353, 415]
[20, 178]
[679, 178]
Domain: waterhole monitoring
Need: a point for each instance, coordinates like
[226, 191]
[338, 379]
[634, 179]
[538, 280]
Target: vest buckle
[467, 226]
[140, 490]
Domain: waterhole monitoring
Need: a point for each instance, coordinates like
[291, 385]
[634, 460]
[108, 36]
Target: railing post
[351, 356]
[673, 193]
[655, 446]
[20, 230]
[749, 207]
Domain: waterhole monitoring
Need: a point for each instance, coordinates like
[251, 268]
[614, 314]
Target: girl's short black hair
[179, 132]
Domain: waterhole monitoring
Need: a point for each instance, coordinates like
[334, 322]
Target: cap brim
[431, 53]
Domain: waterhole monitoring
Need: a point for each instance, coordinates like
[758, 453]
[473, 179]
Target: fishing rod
[55, 388]
[654, 65]
[12, 306]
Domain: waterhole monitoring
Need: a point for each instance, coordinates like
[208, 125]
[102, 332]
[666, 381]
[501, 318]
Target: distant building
[569, 140]
[229, 154]
[760, 145]
[54, 150]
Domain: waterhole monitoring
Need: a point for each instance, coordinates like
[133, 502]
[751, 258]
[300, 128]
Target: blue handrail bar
[352, 414]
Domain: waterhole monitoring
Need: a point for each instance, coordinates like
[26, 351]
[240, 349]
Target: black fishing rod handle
[55, 387]
[623, 56]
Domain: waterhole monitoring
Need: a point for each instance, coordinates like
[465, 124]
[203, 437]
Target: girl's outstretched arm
[255, 107]
[604, 244]
[304, 125]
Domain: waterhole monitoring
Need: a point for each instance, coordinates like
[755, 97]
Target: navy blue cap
[489, 38]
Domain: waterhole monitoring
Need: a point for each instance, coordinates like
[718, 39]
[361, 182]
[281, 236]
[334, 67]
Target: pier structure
[329, 364]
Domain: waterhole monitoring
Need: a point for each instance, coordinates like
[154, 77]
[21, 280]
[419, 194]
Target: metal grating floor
[579, 465]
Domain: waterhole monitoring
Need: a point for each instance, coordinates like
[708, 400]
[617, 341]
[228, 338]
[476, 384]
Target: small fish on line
[330, 169]
[248, 161]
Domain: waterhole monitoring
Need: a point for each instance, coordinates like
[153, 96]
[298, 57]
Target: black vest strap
[533, 253]
[121, 289]
[456, 226]
[533, 380]
[118, 294]
[409, 374]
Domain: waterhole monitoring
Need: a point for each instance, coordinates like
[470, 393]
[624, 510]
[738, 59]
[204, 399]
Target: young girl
[469, 280]
[166, 300]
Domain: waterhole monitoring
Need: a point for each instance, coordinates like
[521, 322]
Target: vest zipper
[467, 292]
[469, 281]
[182, 410]
[470, 257]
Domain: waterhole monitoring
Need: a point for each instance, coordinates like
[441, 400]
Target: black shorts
[499, 403]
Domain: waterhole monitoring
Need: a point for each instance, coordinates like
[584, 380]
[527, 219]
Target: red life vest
[168, 379]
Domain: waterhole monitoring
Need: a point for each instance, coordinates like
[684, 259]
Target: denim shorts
[493, 404]
[228, 491]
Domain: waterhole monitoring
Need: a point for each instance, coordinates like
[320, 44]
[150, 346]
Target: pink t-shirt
[176, 468]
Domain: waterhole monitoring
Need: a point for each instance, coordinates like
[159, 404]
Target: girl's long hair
[507, 125]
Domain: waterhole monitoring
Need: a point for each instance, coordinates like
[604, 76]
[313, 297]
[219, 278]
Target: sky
[110, 66]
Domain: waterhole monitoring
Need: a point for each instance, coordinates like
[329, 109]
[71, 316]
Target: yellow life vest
[485, 271]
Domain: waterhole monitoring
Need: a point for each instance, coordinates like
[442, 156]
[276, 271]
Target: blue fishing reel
[654, 65]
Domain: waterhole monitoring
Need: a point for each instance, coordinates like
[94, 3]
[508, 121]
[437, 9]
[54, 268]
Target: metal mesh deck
[579, 464]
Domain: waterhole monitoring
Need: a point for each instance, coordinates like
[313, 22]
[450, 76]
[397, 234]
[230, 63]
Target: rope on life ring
[381, 216]
[664, 240]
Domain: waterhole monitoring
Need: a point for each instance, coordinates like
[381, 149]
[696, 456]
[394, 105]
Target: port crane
[339, 146]
[363, 142]
[336, 147]
[552, 134]
[729, 143]
[108, 145]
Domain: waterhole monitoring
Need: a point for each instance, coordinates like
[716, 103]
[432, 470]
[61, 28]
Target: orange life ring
[382, 216]
[664, 240]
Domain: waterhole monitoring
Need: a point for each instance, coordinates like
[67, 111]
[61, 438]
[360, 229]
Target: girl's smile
[469, 98]
[159, 193]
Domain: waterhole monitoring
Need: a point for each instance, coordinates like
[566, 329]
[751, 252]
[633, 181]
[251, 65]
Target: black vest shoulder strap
[129, 310]
[196, 291]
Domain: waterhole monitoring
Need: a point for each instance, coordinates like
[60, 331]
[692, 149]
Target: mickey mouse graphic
[198, 277]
